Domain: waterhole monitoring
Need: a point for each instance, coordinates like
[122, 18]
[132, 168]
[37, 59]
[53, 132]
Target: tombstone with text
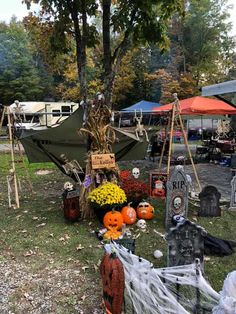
[176, 196]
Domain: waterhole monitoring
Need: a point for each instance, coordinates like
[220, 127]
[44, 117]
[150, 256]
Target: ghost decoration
[141, 224]
[136, 173]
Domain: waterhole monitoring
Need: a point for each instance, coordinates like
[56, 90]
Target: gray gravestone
[185, 244]
[209, 202]
[233, 194]
[176, 196]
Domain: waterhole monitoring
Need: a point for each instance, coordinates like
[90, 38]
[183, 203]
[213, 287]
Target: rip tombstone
[176, 196]
[185, 244]
[209, 202]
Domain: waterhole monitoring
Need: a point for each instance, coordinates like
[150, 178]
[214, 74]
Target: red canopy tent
[199, 106]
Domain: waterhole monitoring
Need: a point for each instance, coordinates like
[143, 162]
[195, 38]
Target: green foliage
[19, 76]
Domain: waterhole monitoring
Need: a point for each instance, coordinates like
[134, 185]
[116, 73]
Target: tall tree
[71, 16]
[19, 75]
[208, 46]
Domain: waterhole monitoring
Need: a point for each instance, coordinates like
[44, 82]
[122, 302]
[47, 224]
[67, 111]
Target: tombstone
[209, 202]
[233, 194]
[185, 244]
[176, 196]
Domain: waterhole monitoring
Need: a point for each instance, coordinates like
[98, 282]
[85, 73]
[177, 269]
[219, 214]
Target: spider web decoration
[170, 290]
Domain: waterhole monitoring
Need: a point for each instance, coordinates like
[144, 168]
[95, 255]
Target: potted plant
[105, 197]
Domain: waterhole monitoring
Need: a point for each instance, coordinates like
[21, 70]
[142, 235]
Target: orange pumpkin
[112, 235]
[113, 220]
[145, 210]
[129, 214]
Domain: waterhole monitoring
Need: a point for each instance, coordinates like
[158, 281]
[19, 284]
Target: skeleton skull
[68, 186]
[141, 224]
[136, 173]
[177, 202]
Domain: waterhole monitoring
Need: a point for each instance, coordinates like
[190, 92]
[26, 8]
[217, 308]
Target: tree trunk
[80, 40]
[107, 51]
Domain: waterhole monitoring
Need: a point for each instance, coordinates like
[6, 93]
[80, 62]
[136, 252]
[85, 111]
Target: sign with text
[100, 161]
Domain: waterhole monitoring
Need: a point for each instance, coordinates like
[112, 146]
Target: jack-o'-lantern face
[145, 210]
[113, 220]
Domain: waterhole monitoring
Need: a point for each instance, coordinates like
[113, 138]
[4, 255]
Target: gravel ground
[22, 291]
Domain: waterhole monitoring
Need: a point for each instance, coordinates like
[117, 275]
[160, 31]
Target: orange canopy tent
[199, 106]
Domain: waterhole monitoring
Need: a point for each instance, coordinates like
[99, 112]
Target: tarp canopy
[199, 106]
[146, 106]
[51, 144]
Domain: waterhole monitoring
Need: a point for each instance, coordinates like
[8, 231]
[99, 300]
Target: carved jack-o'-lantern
[129, 214]
[145, 210]
[159, 190]
[113, 220]
[113, 280]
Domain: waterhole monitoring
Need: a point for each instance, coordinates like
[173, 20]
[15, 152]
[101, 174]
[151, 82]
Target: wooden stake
[13, 160]
[2, 118]
[164, 144]
[189, 151]
[171, 137]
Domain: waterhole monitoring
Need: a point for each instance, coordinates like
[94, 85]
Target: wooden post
[13, 160]
[2, 118]
[171, 137]
[167, 129]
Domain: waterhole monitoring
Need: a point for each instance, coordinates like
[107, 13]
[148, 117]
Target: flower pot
[100, 211]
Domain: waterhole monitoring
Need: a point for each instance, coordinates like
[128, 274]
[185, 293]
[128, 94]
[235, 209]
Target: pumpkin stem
[129, 203]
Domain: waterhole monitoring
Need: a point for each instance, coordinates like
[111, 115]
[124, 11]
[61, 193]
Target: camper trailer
[40, 115]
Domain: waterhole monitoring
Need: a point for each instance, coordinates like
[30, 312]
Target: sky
[8, 8]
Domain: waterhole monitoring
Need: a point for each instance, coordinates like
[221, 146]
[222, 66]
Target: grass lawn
[37, 237]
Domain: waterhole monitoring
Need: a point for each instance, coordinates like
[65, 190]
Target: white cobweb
[170, 290]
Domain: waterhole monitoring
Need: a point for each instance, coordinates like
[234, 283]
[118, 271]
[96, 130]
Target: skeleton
[141, 224]
[68, 186]
[140, 127]
[72, 167]
[223, 127]
[17, 110]
[136, 173]
[10, 181]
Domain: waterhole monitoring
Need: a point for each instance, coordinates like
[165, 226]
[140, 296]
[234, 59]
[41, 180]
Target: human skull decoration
[141, 224]
[68, 186]
[177, 202]
[136, 173]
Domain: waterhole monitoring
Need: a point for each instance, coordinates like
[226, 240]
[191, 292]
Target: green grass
[38, 235]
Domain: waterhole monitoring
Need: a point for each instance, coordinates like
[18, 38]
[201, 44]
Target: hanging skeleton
[140, 127]
[223, 128]
[72, 168]
[17, 111]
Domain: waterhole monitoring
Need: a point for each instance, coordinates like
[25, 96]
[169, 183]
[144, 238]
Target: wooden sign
[100, 161]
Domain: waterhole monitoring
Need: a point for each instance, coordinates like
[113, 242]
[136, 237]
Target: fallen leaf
[41, 225]
[83, 297]
[85, 267]
[79, 247]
